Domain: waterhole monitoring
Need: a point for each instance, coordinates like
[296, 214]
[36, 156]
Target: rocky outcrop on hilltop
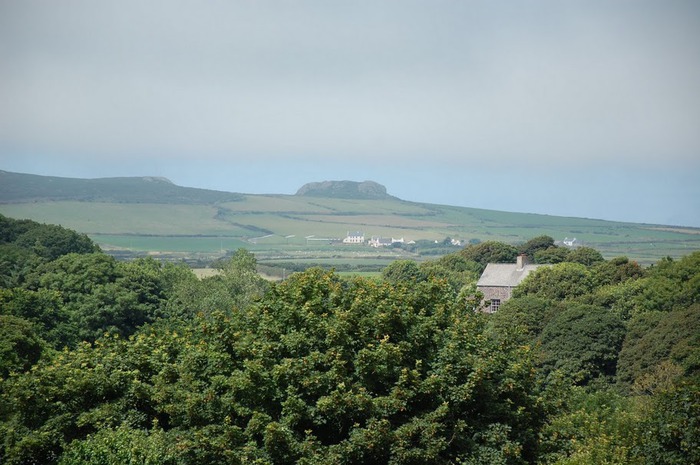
[344, 190]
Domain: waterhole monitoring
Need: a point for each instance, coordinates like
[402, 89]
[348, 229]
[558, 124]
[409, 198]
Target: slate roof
[504, 274]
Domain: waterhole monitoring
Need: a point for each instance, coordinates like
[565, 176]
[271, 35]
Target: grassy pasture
[296, 226]
[387, 221]
[125, 218]
[197, 244]
[274, 204]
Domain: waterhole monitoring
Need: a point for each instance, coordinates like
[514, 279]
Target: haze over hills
[20, 187]
[150, 214]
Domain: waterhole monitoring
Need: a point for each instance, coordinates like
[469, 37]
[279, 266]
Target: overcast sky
[576, 108]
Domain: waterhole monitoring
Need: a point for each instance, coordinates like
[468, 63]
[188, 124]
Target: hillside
[345, 190]
[139, 215]
[22, 188]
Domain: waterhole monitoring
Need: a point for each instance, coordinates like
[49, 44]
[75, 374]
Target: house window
[495, 303]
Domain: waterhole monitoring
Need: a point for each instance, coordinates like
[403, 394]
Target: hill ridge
[22, 187]
[150, 213]
[364, 190]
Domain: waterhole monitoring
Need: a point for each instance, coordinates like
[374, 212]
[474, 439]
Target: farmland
[295, 228]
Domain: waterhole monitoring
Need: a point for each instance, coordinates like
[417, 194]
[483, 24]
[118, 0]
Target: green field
[296, 228]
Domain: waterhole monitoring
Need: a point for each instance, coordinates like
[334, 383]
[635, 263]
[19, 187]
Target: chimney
[521, 262]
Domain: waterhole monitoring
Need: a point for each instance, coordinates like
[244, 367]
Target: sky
[572, 108]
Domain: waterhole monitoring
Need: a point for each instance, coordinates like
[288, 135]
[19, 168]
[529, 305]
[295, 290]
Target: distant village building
[377, 241]
[570, 242]
[354, 238]
[498, 280]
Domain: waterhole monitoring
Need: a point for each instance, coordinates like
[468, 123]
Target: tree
[671, 430]
[616, 271]
[585, 256]
[583, 342]
[43, 309]
[551, 255]
[593, 427]
[655, 337]
[122, 445]
[45, 240]
[685, 274]
[406, 271]
[457, 270]
[25, 244]
[523, 318]
[95, 294]
[558, 282]
[320, 370]
[20, 347]
[536, 244]
[490, 252]
[237, 286]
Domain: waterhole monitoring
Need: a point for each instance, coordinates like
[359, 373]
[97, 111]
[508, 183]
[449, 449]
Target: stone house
[498, 280]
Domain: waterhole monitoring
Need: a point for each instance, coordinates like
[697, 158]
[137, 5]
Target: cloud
[460, 82]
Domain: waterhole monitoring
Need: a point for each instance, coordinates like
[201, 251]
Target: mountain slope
[345, 190]
[20, 188]
[154, 215]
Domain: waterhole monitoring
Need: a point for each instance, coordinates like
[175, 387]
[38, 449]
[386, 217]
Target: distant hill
[150, 214]
[22, 188]
[345, 190]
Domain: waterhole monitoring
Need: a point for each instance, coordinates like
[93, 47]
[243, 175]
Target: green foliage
[551, 255]
[237, 286]
[523, 318]
[585, 256]
[50, 242]
[80, 297]
[46, 240]
[460, 273]
[620, 285]
[15, 262]
[406, 271]
[583, 342]
[684, 272]
[558, 282]
[320, 371]
[20, 347]
[97, 295]
[24, 244]
[43, 308]
[655, 337]
[490, 252]
[122, 445]
[671, 430]
[604, 427]
[615, 271]
[536, 244]
[599, 427]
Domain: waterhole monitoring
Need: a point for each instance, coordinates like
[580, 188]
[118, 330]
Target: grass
[138, 243]
[292, 226]
[125, 218]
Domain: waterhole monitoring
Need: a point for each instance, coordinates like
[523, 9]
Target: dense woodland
[105, 362]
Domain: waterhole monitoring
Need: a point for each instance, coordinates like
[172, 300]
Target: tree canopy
[102, 361]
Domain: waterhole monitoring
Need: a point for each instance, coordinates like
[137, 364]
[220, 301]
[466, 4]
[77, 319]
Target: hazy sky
[577, 108]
